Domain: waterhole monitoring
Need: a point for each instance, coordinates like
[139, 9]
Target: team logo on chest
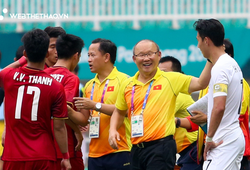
[157, 87]
[110, 88]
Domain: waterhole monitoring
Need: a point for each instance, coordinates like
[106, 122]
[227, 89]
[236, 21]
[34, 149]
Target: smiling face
[147, 57]
[96, 58]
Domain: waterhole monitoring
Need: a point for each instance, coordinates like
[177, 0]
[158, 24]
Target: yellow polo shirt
[158, 116]
[183, 138]
[100, 146]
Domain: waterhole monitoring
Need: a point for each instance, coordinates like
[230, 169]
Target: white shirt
[226, 80]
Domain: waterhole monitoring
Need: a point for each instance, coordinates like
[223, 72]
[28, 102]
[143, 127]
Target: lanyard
[145, 99]
[103, 93]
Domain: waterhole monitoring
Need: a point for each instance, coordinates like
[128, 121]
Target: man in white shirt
[225, 143]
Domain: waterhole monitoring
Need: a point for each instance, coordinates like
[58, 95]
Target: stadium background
[168, 22]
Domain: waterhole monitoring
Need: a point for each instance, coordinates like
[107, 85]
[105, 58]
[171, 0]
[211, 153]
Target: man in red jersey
[54, 33]
[69, 50]
[31, 98]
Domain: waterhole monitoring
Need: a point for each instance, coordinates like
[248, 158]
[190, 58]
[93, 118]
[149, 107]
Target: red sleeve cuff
[22, 60]
[194, 126]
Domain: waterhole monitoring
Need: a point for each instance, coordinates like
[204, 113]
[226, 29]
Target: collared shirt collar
[111, 76]
[136, 81]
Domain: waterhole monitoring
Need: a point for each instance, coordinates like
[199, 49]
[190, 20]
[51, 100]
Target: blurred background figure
[185, 141]
[19, 53]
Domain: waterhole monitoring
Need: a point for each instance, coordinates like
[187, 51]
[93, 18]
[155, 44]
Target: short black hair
[36, 43]
[229, 49]
[176, 64]
[107, 46]
[211, 28]
[19, 52]
[54, 32]
[67, 45]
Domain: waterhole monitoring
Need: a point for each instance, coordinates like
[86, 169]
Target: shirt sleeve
[121, 103]
[59, 107]
[3, 74]
[221, 78]
[194, 126]
[179, 82]
[71, 90]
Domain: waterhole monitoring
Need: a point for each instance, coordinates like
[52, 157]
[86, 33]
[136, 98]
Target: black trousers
[154, 155]
[113, 161]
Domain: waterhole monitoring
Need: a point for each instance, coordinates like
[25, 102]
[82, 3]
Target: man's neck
[105, 73]
[48, 63]
[215, 54]
[39, 65]
[144, 78]
[63, 63]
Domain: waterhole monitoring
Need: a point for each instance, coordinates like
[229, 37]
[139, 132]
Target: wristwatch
[98, 106]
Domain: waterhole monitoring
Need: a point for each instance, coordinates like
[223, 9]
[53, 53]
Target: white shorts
[228, 155]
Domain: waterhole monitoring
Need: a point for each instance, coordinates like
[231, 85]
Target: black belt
[146, 144]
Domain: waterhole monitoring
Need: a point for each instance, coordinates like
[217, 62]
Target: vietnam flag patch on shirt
[110, 88]
[157, 87]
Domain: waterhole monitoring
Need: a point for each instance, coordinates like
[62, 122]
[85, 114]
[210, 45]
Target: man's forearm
[72, 125]
[107, 109]
[60, 133]
[117, 119]
[214, 122]
[205, 75]
[79, 118]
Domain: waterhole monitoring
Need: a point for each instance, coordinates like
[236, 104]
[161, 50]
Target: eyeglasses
[149, 54]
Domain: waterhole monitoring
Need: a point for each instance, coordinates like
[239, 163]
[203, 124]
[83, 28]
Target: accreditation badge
[94, 127]
[137, 126]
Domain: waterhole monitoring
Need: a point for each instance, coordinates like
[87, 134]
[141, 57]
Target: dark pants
[113, 161]
[154, 155]
[244, 164]
[188, 158]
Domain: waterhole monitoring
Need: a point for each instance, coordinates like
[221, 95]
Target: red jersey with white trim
[70, 83]
[31, 98]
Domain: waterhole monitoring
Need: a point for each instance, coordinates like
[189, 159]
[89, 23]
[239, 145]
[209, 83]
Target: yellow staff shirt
[158, 116]
[100, 146]
[183, 138]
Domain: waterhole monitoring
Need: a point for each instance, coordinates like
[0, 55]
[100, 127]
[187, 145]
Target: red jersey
[31, 98]
[70, 83]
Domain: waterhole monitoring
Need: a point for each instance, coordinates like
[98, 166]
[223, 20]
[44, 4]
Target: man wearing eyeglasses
[149, 99]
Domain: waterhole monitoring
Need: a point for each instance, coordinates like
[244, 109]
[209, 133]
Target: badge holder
[94, 127]
[137, 126]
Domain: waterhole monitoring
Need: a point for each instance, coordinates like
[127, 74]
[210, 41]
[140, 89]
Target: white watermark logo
[34, 16]
[5, 10]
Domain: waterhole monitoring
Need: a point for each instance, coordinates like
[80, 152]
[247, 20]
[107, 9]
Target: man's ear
[133, 58]
[24, 53]
[76, 55]
[107, 57]
[207, 40]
